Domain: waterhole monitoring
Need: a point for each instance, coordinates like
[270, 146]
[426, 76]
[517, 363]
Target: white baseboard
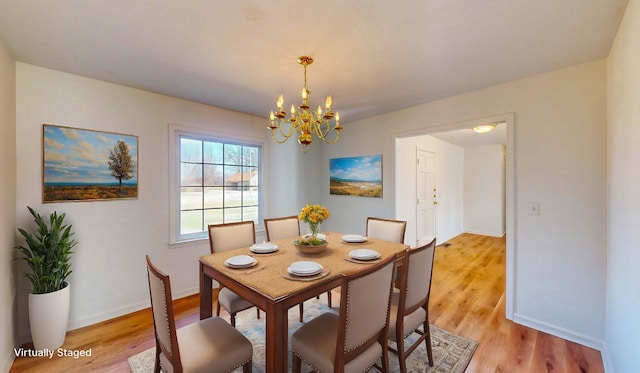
[440, 241]
[559, 332]
[117, 312]
[103, 316]
[110, 314]
[606, 360]
[490, 234]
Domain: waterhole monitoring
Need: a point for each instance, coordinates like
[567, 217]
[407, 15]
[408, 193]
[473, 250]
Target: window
[219, 182]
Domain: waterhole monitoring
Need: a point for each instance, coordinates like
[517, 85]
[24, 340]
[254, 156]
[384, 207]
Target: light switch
[534, 208]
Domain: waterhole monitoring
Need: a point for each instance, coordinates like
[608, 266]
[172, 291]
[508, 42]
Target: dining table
[270, 286]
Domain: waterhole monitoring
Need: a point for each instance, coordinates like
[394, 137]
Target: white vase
[48, 318]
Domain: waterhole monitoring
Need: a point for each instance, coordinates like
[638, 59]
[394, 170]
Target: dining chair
[386, 229]
[209, 345]
[356, 338]
[283, 227]
[229, 236]
[410, 305]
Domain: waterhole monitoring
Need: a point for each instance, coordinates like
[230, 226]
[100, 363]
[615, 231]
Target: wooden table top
[270, 276]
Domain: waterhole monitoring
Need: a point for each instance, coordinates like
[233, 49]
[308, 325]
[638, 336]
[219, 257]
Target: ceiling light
[305, 123]
[484, 128]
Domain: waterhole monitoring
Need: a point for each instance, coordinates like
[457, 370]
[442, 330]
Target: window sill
[260, 232]
[188, 243]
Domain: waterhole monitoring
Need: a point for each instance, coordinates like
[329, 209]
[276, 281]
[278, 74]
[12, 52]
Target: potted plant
[47, 254]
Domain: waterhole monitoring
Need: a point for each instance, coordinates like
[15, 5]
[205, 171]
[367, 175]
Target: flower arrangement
[313, 215]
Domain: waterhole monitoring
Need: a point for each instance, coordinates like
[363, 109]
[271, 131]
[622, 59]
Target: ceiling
[372, 56]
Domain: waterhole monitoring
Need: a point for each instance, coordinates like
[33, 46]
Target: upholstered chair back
[231, 236]
[367, 306]
[420, 264]
[163, 318]
[278, 228]
[386, 229]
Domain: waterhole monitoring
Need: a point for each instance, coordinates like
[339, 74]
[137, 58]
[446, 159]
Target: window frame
[176, 132]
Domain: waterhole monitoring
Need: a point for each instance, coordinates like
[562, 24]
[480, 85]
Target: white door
[425, 194]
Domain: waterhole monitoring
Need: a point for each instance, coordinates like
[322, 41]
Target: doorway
[407, 179]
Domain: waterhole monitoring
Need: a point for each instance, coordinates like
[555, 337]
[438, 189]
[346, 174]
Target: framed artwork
[356, 176]
[88, 165]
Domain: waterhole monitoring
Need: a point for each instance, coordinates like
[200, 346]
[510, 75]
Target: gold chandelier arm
[323, 134]
[283, 135]
[321, 129]
[335, 140]
[273, 137]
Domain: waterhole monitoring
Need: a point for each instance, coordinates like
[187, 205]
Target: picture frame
[359, 176]
[88, 165]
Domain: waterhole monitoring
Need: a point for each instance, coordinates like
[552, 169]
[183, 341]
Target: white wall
[484, 190]
[7, 205]
[622, 333]
[560, 162]
[349, 213]
[449, 185]
[285, 166]
[109, 275]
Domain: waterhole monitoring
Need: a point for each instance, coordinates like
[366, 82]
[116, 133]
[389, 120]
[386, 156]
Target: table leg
[206, 294]
[277, 335]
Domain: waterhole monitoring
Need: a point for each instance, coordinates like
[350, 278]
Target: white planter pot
[48, 317]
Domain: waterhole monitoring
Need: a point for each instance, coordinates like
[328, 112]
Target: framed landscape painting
[356, 176]
[88, 165]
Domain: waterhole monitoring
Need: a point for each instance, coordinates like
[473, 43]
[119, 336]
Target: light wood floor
[467, 298]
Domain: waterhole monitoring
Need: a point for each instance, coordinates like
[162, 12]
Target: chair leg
[301, 306]
[385, 358]
[217, 308]
[329, 298]
[156, 367]
[296, 363]
[258, 312]
[402, 359]
[427, 340]
[247, 367]
[233, 319]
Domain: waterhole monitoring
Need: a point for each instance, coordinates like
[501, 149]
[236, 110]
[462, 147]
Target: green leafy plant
[309, 241]
[47, 252]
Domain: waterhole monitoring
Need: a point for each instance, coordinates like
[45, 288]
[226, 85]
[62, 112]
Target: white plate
[354, 238]
[364, 254]
[291, 272]
[264, 248]
[240, 261]
[305, 268]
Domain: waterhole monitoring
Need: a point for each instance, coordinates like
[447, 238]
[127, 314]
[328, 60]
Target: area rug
[451, 353]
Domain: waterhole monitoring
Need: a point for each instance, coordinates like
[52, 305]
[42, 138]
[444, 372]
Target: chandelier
[326, 126]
